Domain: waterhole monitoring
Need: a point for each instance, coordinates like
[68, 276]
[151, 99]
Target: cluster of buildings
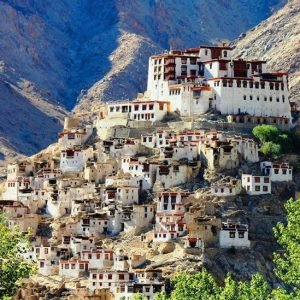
[105, 179]
[198, 80]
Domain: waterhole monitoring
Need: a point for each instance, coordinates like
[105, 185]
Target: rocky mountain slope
[97, 51]
[277, 40]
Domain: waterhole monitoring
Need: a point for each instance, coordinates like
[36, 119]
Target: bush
[271, 150]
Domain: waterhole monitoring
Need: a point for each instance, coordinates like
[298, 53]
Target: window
[257, 98]
[136, 107]
[81, 266]
[256, 85]
[144, 107]
[251, 84]
[241, 235]
[283, 98]
[109, 276]
[276, 171]
[224, 83]
[265, 98]
[284, 172]
[256, 179]
[266, 180]
[161, 106]
[257, 188]
[232, 234]
[244, 84]
[262, 85]
[271, 86]
[277, 99]
[111, 109]
[251, 97]
[73, 266]
[271, 99]
[225, 53]
[151, 107]
[121, 276]
[265, 188]
[67, 266]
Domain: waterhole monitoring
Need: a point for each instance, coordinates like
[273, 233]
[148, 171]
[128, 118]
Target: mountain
[55, 52]
[277, 40]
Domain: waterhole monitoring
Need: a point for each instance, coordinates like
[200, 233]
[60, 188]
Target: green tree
[161, 296]
[13, 266]
[255, 289]
[266, 133]
[200, 286]
[271, 150]
[288, 236]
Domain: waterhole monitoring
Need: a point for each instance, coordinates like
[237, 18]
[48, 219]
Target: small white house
[98, 259]
[256, 184]
[149, 110]
[109, 279]
[225, 189]
[234, 235]
[277, 171]
[73, 268]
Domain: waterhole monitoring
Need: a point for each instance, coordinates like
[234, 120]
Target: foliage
[266, 133]
[275, 141]
[271, 150]
[13, 266]
[288, 236]
[202, 286]
[194, 287]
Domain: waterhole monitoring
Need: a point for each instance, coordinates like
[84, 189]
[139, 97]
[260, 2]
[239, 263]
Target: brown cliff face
[277, 40]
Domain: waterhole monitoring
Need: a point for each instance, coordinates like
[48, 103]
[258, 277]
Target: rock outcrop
[277, 40]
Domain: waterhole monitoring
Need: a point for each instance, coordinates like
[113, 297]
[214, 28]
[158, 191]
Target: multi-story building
[256, 184]
[277, 171]
[194, 80]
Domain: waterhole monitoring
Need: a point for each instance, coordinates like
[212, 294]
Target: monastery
[132, 172]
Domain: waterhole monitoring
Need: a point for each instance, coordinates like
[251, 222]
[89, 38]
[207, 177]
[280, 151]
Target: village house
[98, 258]
[73, 268]
[219, 155]
[74, 133]
[248, 148]
[93, 224]
[277, 171]
[178, 151]
[147, 291]
[141, 169]
[174, 174]
[203, 227]
[73, 159]
[234, 235]
[224, 188]
[256, 184]
[169, 216]
[27, 223]
[109, 279]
